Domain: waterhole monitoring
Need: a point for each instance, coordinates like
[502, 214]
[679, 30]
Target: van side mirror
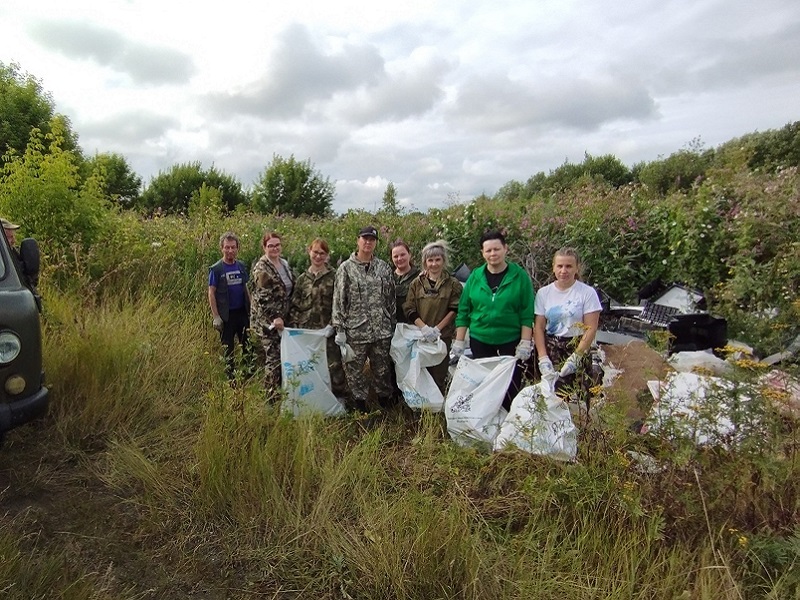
[29, 254]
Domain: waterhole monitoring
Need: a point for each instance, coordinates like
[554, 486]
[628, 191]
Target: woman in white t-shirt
[567, 315]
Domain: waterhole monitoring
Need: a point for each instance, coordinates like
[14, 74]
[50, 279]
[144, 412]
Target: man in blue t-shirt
[229, 298]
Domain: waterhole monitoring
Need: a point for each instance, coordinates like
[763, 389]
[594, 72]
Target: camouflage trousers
[380, 374]
[576, 386]
[336, 370]
[271, 344]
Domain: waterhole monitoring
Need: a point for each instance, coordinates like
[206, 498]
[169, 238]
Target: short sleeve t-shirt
[236, 278]
[564, 309]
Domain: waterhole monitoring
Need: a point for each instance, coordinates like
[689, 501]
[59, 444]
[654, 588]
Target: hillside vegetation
[153, 478]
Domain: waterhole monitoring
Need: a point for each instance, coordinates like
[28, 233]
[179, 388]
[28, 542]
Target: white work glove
[457, 350]
[523, 351]
[430, 334]
[328, 331]
[546, 367]
[570, 365]
[219, 324]
[340, 339]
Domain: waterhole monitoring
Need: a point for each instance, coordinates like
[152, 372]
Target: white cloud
[444, 98]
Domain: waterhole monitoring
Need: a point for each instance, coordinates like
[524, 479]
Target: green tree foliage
[24, 106]
[120, 183]
[512, 190]
[775, 149]
[606, 168]
[292, 187]
[43, 191]
[680, 171]
[171, 191]
[389, 204]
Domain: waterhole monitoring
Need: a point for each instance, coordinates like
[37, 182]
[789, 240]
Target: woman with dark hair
[432, 303]
[273, 282]
[311, 307]
[404, 273]
[496, 307]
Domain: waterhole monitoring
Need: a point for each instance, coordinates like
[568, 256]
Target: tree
[293, 188]
[42, 190]
[25, 106]
[511, 190]
[172, 191]
[121, 184]
[389, 204]
[679, 171]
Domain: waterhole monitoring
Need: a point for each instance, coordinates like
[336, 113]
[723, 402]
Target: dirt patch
[638, 363]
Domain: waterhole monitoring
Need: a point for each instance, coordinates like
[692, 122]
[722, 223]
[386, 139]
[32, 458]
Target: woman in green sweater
[496, 307]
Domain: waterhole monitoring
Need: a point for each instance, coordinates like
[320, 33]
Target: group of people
[362, 300]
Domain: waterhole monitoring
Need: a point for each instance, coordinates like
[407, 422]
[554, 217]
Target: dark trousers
[235, 327]
[482, 350]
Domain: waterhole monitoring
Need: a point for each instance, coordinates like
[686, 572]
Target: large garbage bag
[473, 405]
[411, 355]
[304, 369]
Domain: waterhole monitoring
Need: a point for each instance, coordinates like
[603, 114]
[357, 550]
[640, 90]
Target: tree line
[295, 187]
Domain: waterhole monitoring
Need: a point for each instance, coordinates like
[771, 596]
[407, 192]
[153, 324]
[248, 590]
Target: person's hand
[328, 331]
[523, 351]
[546, 367]
[430, 334]
[457, 351]
[570, 365]
[219, 324]
[277, 324]
[340, 339]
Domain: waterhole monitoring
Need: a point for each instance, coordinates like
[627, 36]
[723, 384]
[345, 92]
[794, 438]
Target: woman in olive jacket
[432, 302]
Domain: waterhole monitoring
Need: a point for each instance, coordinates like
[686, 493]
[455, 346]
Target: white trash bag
[411, 355]
[304, 370]
[539, 422]
[473, 406]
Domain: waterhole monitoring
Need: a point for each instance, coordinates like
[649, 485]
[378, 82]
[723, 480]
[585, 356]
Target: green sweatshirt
[496, 318]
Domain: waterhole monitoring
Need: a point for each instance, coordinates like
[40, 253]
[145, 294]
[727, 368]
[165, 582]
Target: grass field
[153, 478]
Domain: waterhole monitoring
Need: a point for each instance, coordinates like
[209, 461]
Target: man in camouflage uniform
[364, 318]
[312, 306]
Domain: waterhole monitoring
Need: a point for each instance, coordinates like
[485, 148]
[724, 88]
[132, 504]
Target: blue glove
[546, 367]
[430, 334]
[570, 365]
[457, 351]
[523, 351]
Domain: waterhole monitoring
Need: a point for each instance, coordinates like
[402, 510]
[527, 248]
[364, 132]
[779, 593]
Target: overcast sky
[446, 99]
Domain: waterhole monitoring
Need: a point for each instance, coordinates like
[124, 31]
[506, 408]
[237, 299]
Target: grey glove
[457, 351]
[570, 365]
[340, 339]
[523, 351]
[430, 334]
[219, 324]
[546, 367]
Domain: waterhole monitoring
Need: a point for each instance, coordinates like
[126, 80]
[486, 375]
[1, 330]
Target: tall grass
[239, 499]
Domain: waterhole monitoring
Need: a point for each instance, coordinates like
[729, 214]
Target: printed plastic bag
[411, 354]
[539, 422]
[304, 368]
[473, 405]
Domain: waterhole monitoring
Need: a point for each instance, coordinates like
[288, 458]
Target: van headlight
[9, 347]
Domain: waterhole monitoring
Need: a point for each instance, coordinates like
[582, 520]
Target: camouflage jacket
[269, 299]
[364, 301]
[312, 300]
[401, 284]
